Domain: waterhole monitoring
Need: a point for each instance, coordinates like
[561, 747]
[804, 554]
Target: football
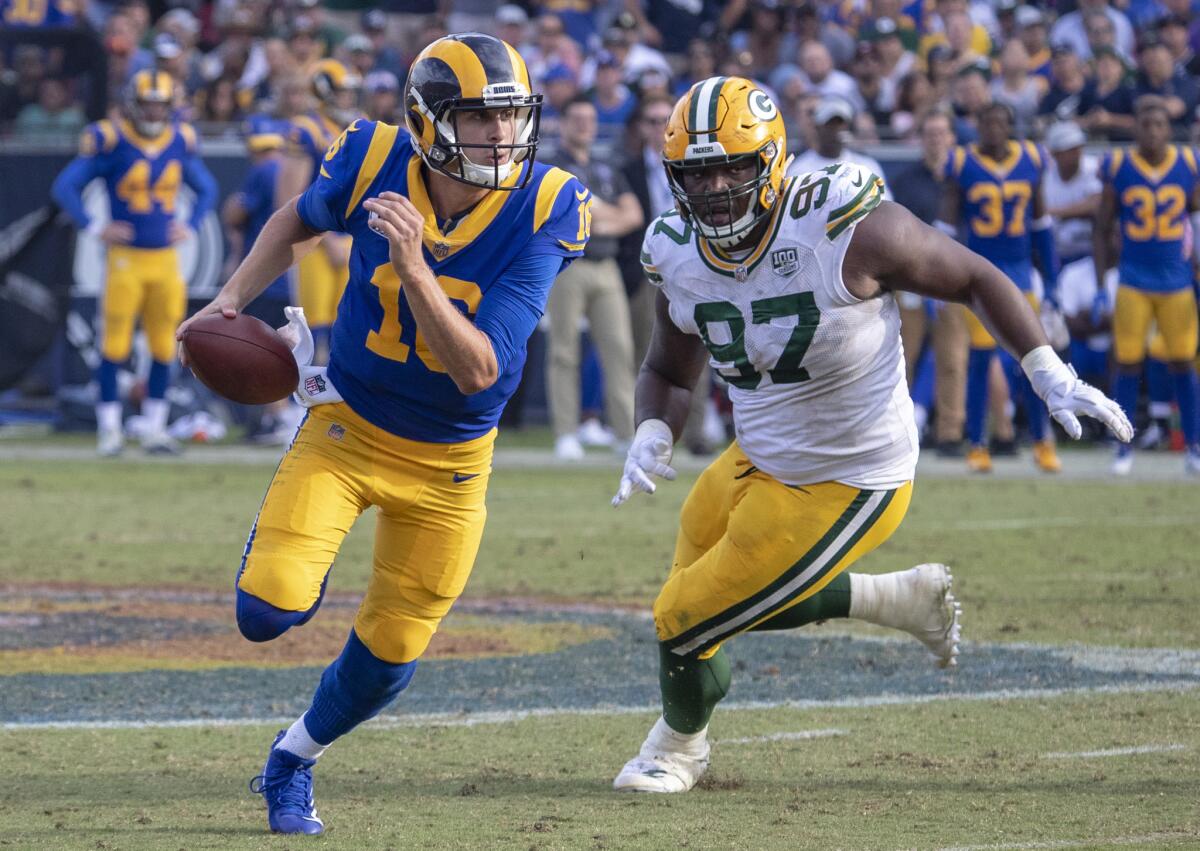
[243, 359]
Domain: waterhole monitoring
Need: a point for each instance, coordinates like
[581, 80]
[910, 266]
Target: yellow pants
[750, 547]
[1173, 313]
[981, 338]
[143, 282]
[320, 286]
[430, 501]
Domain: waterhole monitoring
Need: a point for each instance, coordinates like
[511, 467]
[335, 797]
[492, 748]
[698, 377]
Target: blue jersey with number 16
[496, 265]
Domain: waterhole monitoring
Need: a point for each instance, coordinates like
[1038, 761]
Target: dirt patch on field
[87, 629]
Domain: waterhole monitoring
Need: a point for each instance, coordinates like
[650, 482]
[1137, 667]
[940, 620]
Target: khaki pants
[590, 288]
[950, 365]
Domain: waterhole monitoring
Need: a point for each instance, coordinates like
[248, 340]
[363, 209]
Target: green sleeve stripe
[838, 229]
[846, 208]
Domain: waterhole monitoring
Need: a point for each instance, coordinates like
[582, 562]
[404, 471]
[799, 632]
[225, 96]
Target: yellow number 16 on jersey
[386, 341]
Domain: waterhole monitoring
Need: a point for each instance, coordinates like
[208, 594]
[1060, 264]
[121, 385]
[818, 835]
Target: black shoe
[1003, 448]
[950, 449]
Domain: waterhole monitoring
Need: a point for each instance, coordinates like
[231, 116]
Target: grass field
[1074, 721]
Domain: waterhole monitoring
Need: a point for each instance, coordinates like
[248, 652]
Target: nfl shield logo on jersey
[335, 432]
[741, 273]
[785, 261]
[440, 250]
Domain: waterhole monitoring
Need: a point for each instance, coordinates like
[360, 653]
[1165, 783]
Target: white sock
[873, 598]
[684, 743]
[1160, 410]
[155, 411]
[108, 416]
[296, 740]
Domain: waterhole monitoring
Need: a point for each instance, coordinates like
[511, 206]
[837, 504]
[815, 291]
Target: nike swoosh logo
[459, 478]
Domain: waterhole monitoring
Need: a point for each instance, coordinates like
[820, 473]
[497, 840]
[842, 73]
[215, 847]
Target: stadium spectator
[877, 94]
[383, 97]
[1106, 102]
[302, 42]
[971, 95]
[1071, 29]
[673, 27]
[954, 25]
[1173, 30]
[29, 70]
[914, 99]
[592, 288]
[218, 102]
[512, 26]
[1033, 33]
[895, 60]
[579, 18]
[1157, 75]
[832, 117]
[1061, 102]
[358, 54]
[324, 31]
[940, 71]
[635, 58]
[53, 112]
[823, 78]
[388, 56]
[701, 64]
[559, 86]
[551, 48]
[766, 39]
[960, 37]
[613, 101]
[1017, 87]
[811, 27]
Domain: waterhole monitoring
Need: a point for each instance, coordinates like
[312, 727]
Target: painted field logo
[785, 261]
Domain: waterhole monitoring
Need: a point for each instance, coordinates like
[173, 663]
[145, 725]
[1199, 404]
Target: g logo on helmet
[761, 105]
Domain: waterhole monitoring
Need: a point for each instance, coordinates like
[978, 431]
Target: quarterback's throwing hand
[1067, 397]
[649, 455]
[396, 219]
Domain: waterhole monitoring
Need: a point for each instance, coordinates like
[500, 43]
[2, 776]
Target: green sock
[832, 601]
[691, 688]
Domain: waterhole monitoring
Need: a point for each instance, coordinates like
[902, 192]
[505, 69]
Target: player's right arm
[1102, 242]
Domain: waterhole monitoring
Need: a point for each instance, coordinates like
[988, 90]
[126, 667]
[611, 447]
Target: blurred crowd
[892, 61]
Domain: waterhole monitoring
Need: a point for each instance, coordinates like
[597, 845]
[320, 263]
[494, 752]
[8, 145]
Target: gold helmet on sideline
[721, 120]
[337, 89]
[465, 73]
[149, 100]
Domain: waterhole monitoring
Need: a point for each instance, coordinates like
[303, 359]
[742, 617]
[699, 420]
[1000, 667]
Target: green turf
[1035, 560]
[938, 775]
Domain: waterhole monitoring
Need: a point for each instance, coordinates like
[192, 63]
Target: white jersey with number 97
[816, 375]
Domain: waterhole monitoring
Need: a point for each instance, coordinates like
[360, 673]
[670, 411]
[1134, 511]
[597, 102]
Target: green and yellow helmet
[466, 73]
[338, 90]
[149, 100]
[721, 120]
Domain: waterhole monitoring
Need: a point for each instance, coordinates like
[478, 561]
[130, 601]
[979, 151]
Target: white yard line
[1131, 751]
[513, 716]
[1147, 839]
[799, 735]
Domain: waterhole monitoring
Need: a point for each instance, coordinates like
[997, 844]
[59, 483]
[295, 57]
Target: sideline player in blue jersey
[996, 189]
[143, 159]
[1151, 187]
[321, 275]
[457, 237]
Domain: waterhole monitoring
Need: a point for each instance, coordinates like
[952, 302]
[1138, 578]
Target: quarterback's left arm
[891, 249]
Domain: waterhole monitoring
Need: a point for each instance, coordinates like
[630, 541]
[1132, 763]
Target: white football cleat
[110, 443]
[658, 769]
[926, 609]
[568, 448]
[160, 443]
[1191, 462]
[1122, 464]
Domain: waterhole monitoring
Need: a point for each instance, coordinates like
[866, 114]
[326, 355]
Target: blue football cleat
[286, 785]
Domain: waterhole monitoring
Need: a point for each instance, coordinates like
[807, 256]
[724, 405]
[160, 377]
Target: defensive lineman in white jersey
[785, 285]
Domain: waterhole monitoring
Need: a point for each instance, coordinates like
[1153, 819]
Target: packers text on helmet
[726, 121]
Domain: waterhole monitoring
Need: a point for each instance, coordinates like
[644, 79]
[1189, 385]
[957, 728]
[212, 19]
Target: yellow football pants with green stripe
[751, 547]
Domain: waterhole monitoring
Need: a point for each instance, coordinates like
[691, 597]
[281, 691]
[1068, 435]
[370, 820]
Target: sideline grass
[945, 774]
[1035, 560]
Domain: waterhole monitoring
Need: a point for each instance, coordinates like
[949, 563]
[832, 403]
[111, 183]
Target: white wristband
[1041, 359]
[650, 429]
[1046, 221]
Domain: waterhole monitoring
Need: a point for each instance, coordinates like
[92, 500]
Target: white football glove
[314, 387]
[649, 455]
[1066, 396]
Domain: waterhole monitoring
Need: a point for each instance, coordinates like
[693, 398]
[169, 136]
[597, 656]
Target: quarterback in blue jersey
[143, 158]
[1150, 189]
[995, 188]
[457, 236]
